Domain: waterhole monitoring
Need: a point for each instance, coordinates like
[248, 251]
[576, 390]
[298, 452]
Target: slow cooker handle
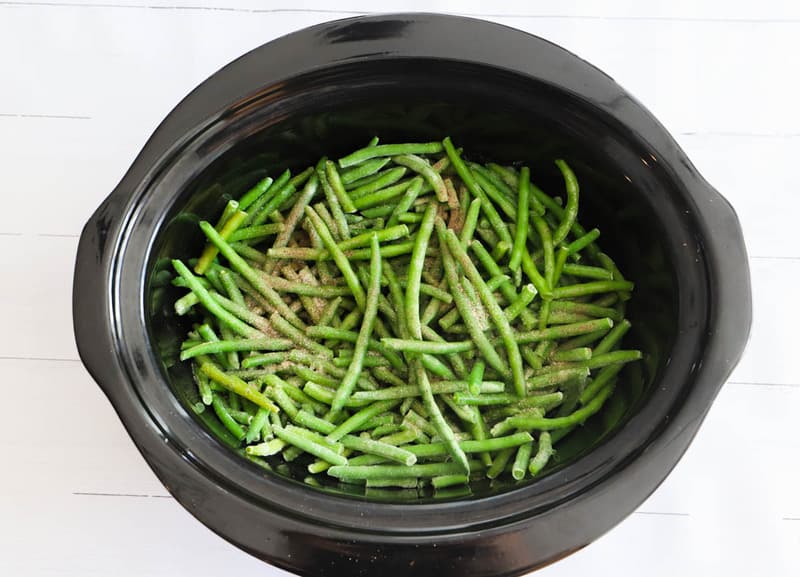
[92, 317]
[731, 304]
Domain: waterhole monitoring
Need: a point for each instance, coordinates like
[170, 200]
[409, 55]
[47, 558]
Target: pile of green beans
[404, 317]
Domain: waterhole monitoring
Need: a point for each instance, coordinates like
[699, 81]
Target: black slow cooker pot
[500, 93]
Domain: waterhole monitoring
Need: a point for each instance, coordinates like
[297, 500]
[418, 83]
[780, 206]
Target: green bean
[289, 225]
[256, 426]
[229, 284]
[253, 277]
[282, 285]
[382, 197]
[586, 309]
[443, 481]
[327, 217]
[256, 232]
[508, 175]
[487, 185]
[475, 379]
[544, 402]
[363, 170]
[211, 305]
[243, 313]
[378, 448]
[211, 339]
[279, 395]
[396, 435]
[547, 247]
[370, 361]
[464, 307]
[414, 419]
[399, 471]
[466, 413]
[582, 340]
[330, 311]
[360, 156]
[435, 292]
[289, 454]
[260, 214]
[336, 210]
[503, 186]
[261, 210]
[302, 178]
[500, 250]
[576, 354]
[320, 332]
[485, 400]
[466, 175]
[263, 344]
[435, 414]
[436, 366]
[203, 386]
[470, 222]
[506, 289]
[225, 231]
[238, 386]
[557, 377]
[362, 342]
[428, 347]
[297, 336]
[255, 202]
[495, 312]
[605, 376]
[525, 297]
[438, 387]
[315, 437]
[558, 268]
[325, 395]
[564, 331]
[267, 449]
[424, 169]
[254, 193]
[582, 242]
[521, 461]
[587, 271]
[376, 181]
[415, 272]
[226, 419]
[499, 462]
[612, 338]
[378, 211]
[291, 437]
[339, 258]
[543, 453]
[604, 359]
[361, 417]
[408, 217]
[548, 424]
[523, 212]
[541, 284]
[487, 234]
[455, 359]
[335, 182]
[184, 304]
[571, 208]
[296, 394]
[248, 252]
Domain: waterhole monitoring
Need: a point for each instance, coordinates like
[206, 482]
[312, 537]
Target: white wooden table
[83, 84]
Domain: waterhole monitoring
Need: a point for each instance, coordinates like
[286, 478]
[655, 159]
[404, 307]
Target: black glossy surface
[498, 92]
